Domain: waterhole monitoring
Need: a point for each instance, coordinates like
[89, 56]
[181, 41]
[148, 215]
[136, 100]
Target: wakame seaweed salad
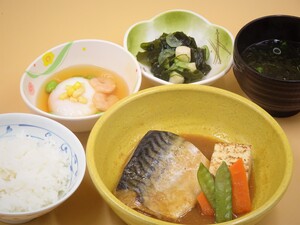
[176, 58]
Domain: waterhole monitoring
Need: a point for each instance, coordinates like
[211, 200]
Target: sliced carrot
[241, 202]
[204, 204]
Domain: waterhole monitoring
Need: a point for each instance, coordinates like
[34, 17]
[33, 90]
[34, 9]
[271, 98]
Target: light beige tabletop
[30, 27]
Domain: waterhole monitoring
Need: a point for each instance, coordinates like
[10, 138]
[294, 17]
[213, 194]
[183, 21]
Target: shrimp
[103, 84]
[102, 101]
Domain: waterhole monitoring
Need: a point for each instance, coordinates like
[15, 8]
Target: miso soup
[279, 59]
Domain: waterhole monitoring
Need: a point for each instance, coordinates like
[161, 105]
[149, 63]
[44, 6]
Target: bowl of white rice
[42, 164]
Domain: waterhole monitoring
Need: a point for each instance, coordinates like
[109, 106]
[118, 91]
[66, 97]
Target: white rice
[33, 173]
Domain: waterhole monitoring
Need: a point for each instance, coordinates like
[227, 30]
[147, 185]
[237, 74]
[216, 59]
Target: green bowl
[200, 109]
[218, 39]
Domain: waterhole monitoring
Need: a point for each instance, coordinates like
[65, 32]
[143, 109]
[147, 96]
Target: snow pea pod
[223, 194]
[207, 184]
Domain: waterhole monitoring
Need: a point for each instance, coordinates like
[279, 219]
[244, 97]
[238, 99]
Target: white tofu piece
[183, 53]
[230, 153]
[176, 78]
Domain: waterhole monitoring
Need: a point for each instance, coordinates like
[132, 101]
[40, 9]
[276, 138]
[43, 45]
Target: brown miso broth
[206, 145]
[85, 71]
[279, 59]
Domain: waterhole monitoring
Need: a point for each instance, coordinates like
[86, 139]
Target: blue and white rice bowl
[43, 132]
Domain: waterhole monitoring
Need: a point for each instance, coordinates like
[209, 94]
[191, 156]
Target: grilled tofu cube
[230, 153]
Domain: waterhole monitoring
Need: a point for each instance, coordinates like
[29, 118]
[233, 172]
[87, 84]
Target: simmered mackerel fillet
[229, 153]
[161, 177]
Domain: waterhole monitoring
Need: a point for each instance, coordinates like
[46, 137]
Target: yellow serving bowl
[189, 109]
